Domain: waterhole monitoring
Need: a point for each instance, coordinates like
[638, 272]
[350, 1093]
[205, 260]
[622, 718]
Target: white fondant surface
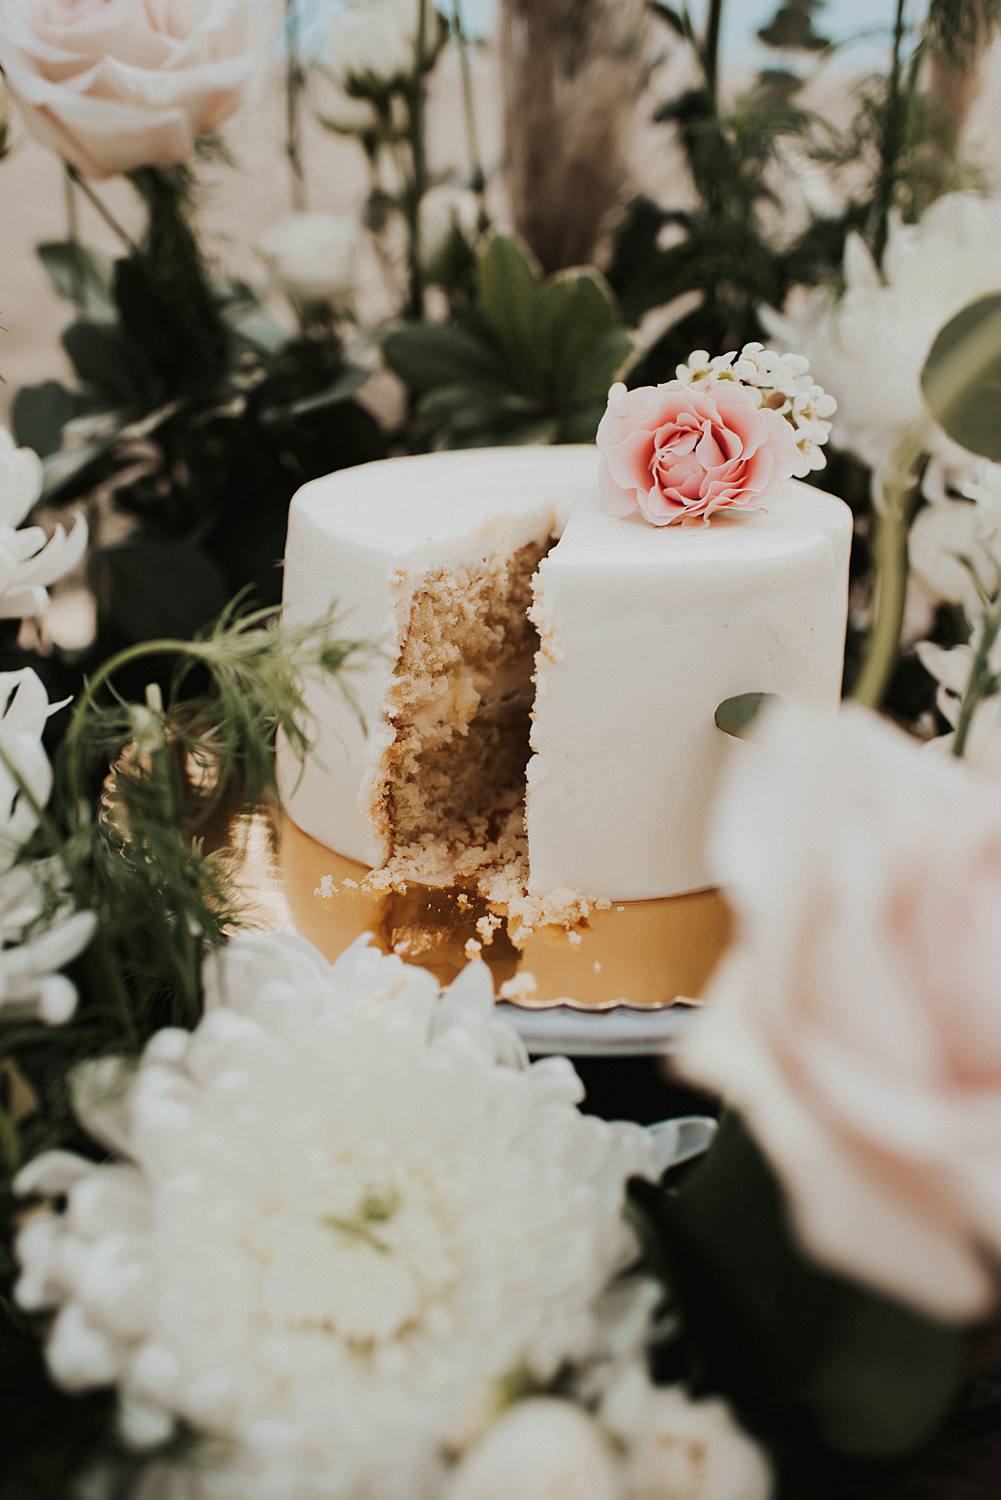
[645, 631]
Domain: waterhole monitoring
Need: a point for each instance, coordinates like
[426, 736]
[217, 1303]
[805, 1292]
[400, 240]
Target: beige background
[238, 203]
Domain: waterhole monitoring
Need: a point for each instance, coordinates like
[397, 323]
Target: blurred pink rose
[856, 1023]
[117, 84]
[678, 452]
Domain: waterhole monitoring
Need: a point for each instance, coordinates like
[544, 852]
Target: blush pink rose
[117, 84]
[674, 451]
[856, 1021]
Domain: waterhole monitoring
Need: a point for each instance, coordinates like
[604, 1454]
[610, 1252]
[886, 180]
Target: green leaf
[508, 288]
[737, 715]
[351, 379]
[73, 472]
[961, 379]
[39, 414]
[427, 355]
[81, 275]
[159, 586]
[676, 19]
[788, 1341]
[107, 361]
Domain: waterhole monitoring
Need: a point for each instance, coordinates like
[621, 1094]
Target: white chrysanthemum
[675, 1448]
[781, 382]
[345, 1210]
[29, 560]
[868, 346]
[39, 931]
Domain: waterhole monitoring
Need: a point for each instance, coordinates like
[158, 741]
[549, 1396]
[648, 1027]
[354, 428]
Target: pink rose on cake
[677, 451]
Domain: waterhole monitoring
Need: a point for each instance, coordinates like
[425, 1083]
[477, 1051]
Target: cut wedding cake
[536, 715]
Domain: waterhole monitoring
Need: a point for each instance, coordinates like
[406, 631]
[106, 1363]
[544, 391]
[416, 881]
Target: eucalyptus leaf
[737, 716]
[961, 379]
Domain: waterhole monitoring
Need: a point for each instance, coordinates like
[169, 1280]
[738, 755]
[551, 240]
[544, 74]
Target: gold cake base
[643, 954]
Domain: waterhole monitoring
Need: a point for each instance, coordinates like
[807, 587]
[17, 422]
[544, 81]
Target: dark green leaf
[961, 378]
[508, 288]
[738, 715]
[158, 586]
[426, 355]
[676, 19]
[106, 360]
[73, 472]
[792, 1344]
[792, 26]
[81, 275]
[350, 380]
[39, 414]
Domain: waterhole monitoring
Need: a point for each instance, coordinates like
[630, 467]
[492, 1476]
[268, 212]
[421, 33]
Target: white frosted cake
[540, 711]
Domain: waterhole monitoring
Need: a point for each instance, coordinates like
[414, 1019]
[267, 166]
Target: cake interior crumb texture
[450, 793]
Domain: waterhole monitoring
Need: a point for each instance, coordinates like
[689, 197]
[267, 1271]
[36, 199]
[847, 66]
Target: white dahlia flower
[29, 560]
[868, 345]
[343, 1212]
[39, 931]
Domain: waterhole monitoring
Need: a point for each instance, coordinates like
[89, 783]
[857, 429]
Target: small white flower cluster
[783, 383]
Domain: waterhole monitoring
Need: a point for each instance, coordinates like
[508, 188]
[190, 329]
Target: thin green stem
[979, 680]
[103, 211]
[92, 687]
[295, 80]
[892, 525]
[73, 239]
[890, 147]
[714, 26]
[477, 174]
[418, 151]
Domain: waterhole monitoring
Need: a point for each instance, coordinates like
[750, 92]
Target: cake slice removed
[524, 635]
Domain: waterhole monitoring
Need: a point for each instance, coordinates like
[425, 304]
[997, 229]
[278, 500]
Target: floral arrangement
[276, 1229]
[720, 436]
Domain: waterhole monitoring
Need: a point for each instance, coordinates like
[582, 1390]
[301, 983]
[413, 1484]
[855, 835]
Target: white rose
[679, 1449]
[375, 42]
[313, 257]
[113, 85]
[855, 1021]
[540, 1449]
[445, 208]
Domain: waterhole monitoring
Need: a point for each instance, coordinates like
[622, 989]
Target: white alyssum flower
[781, 382]
[868, 345]
[313, 257]
[39, 930]
[29, 560]
[675, 1448]
[343, 1211]
[539, 1449]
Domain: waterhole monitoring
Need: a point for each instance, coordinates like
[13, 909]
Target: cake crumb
[349, 885]
[596, 966]
[575, 938]
[522, 987]
[620, 908]
[486, 926]
[462, 901]
[473, 949]
[326, 889]
[603, 903]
